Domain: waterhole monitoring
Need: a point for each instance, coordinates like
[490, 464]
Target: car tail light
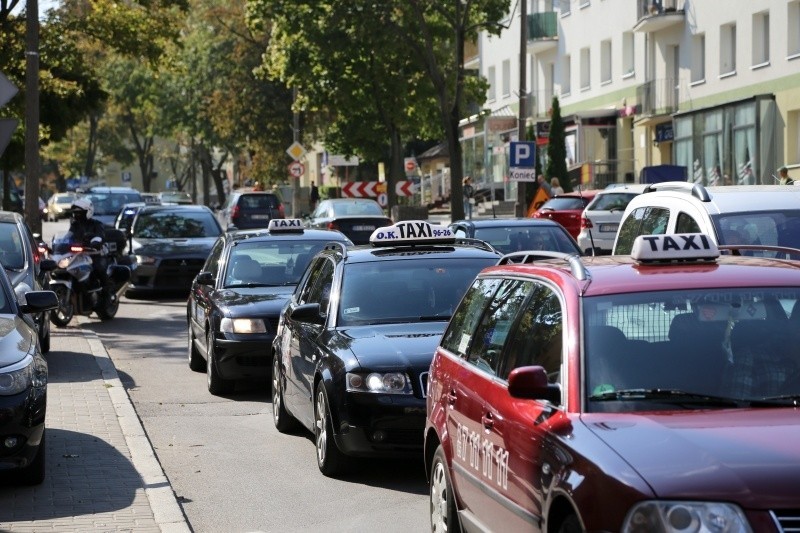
[76, 249]
[333, 225]
[586, 223]
[234, 212]
[281, 211]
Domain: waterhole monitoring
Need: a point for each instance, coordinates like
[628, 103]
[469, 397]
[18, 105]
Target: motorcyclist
[89, 232]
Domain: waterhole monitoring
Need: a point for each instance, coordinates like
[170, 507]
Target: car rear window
[176, 225]
[258, 202]
[616, 201]
[357, 208]
[564, 202]
[111, 203]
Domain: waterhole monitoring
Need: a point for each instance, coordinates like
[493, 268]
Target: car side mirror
[205, 278]
[530, 383]
[38, 301]
[310, 313]
[47, 265]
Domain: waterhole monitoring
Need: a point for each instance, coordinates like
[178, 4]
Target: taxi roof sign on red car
[411, 232]
[672, 248]
[285, 225]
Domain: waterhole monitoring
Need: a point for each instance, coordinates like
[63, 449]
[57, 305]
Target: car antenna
[591, 238]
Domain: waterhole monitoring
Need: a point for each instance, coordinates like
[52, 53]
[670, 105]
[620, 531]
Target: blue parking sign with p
[523, 154]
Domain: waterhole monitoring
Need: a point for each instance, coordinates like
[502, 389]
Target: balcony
[657, 97]
[542, 32]
[656, 15]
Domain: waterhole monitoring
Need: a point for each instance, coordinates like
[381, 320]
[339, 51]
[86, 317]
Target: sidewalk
[102, 473]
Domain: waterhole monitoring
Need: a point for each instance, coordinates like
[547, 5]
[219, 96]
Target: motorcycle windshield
[62, 243]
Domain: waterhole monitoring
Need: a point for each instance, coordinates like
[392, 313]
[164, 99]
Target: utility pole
[32, 165]
[521, 205]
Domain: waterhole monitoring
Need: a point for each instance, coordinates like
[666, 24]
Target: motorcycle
[78, 289]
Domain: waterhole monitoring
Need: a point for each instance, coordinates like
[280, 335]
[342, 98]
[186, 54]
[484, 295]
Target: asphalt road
[229, 467]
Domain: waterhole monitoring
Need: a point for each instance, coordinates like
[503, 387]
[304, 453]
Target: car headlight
[387, 383]
[242, 325]
[694, 517]
[145, 260]
[18, 377]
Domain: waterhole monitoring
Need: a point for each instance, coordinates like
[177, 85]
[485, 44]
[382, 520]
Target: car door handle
[451, 397]
[487, 420]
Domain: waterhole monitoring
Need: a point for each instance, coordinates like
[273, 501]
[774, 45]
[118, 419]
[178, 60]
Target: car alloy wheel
[444, 515]
[330, 460]
[216, 384]
[284, 422]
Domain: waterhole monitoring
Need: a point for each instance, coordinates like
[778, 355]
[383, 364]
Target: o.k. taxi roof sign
[411, 233]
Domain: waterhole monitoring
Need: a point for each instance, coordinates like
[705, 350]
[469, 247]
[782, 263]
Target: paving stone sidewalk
[102, 473]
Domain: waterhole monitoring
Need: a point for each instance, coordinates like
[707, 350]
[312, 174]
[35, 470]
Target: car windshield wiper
[666, 395]
[434, 318]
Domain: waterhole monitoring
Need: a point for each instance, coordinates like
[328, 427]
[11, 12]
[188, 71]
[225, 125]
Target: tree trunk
[396, 168]
[91, 149]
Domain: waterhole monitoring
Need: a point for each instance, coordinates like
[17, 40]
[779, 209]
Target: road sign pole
[32, 162]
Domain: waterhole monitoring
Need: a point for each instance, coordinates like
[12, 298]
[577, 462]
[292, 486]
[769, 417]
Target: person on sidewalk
[469, 197]
[783, 173]
[313, 197]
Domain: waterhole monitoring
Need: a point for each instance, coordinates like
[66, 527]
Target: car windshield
[405, 291]
[564, 202]
[771, 228]
[272, 263]
[12, 254]
[653, 350]
[110, 204]
[509, 239]
[64, 200]
[356, 208]
[165, 224]
[616, 201]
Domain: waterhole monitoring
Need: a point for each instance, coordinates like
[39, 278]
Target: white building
[708, 85]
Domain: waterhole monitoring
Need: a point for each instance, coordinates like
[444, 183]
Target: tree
[557, 149]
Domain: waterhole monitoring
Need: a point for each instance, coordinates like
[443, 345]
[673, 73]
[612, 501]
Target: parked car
[108, 201]
[248, 209]
[515, 234]
[236, 299]
[26, 267]
[566, 209]
[171, 244]
[747, 214]
[355, 217]
[23, 384]
[651, 392]
[58, 205]
[600, 220]
[355, 340]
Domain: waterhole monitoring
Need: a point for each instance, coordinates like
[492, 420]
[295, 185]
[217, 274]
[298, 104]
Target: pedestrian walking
[313, 197]
[469, 197]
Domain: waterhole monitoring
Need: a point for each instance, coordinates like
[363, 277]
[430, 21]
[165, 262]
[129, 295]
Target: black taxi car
[236, 299]
[655, 392]
[355, 341]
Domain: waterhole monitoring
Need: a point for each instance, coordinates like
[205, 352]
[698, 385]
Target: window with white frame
[698, 58]
[566, 76]
[628, 64]
[491, 78]
[586, 81]
[566, 7]
[793, 18]
[506, 77]
[605, 61]
[727, 49]
[761, 38]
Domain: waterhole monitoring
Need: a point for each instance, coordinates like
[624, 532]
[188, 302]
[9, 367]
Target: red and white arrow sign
[359, 189]
[405, 188]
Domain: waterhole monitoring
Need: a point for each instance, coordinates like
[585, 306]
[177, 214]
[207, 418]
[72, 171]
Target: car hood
[748, 456]
[385, 347]
[15, 340]
[173, 247]
[253, 302]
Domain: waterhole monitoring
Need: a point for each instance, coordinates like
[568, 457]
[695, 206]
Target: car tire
[330, 459]
[45, 340]
[443, 508]
[217, 385]
[284, 422]
[108, 308]
[570, 524]
[34, 473]
[196, 361]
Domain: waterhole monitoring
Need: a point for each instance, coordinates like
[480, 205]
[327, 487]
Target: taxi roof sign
[410, 233]
[285, 225]
[674, 248]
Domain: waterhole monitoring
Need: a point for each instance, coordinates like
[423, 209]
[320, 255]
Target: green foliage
[557, 149]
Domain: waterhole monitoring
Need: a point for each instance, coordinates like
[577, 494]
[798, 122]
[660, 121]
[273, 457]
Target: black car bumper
[380, 425]
[168, 275]
[21, 420]
[244, 358]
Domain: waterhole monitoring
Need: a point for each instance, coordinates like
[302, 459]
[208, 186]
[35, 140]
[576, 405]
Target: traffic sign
[296, 169]
[296, 151]
[7, 90]
[126, 177]
[523, 154]
[383, 199]
[7, 127]
[410, 165]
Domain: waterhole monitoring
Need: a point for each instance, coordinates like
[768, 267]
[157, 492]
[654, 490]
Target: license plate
[260, 217]
[363, 228]
[609, 227]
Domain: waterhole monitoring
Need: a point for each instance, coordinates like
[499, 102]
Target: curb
[166, 510]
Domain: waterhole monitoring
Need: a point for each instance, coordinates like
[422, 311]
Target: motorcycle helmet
[82, 208]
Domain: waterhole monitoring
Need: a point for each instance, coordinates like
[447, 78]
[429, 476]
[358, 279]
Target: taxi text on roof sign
[411, 232]
[677, 247]
[277, 225]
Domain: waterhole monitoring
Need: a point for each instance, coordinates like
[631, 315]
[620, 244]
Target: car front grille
[177, 273]
[787, 520]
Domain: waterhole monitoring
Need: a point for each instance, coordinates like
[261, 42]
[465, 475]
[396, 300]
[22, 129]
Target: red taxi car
[643, 393]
